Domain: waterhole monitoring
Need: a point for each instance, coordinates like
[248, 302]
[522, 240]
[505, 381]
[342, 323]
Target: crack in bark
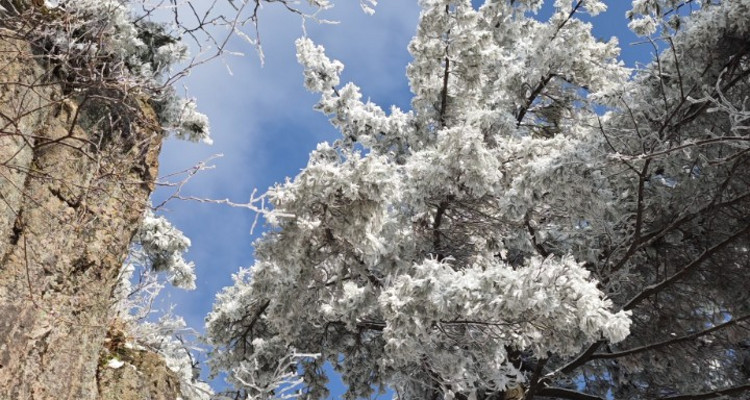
[58, 194]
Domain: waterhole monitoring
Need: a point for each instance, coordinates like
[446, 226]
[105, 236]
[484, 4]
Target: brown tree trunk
[70, 201]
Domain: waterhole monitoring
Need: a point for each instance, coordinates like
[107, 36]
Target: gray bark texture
[71, 198]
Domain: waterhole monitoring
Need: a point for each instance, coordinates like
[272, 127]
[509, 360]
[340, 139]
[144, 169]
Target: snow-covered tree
[506, 237]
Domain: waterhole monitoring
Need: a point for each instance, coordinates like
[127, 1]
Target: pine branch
[583, 358]
[530, 100]
[547, 78]
[658, 287]
[710, 395]
[670, 342]
[567, 394]
[642, 177]
[535, 380]
[444, 91]
[532, 233]
[586, 356]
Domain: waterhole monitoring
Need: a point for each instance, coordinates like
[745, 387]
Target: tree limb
[444, 91]
[657, 287]
[669, 342]
[534, 382]
[710, 395]
[567, 394]
[583, 358]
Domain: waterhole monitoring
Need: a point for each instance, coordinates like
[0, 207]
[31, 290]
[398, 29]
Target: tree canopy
[543, 222]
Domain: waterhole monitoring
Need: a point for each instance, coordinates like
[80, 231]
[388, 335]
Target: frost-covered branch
[672, 341]
[655, 288]
[713, 394]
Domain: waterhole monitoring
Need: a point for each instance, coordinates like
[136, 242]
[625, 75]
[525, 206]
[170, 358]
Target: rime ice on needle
[395, 266]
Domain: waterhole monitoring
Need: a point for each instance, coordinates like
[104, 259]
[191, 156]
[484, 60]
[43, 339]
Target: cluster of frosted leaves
[166, 337]
[157, 248]
[181, 116]
[668, 16]
[547, 305]
[138, 53]
[161, 247]
[410, 264]
[650, 16]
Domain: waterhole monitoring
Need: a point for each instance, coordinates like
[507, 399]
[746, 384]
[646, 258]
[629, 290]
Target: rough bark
[70, 201]
[144, 375]
[137, 374]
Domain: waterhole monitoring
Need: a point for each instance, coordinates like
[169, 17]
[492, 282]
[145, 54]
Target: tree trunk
[70, 201]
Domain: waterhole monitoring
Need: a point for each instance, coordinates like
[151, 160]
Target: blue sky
[264, 124]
